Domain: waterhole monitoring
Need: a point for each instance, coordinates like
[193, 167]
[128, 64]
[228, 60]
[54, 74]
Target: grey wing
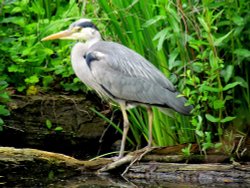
[126, 61]
[132, 84]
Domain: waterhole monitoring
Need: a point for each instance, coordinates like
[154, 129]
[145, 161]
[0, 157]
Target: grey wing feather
[139, 83]
[124, 60]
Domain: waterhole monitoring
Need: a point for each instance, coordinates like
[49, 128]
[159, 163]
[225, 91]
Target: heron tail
[178, 103]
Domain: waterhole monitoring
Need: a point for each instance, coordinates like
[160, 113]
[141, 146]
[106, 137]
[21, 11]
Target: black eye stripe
[87, 24]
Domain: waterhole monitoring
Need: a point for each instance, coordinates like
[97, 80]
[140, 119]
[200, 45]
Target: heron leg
[150, 125]
[125, 129]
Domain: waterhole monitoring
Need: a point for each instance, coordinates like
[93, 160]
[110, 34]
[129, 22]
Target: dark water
[108, 180]
[113, 181]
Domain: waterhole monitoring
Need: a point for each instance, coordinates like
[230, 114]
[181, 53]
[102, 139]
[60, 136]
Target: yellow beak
[60, 35]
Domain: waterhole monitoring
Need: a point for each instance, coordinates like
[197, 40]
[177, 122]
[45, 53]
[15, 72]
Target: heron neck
[94, 40]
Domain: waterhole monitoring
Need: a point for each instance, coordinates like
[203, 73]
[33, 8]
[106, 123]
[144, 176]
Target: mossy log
[32, 164]
[15, 156]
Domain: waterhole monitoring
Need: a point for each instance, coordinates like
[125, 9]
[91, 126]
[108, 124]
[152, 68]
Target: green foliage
[203, 44]
[49, 126]
[24, 59]
[4, 98]
[187, 150]
[213, 85]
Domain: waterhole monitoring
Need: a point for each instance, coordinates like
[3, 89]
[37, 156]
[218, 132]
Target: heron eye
[77, 29]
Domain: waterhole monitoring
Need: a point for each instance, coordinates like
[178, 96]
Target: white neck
[92, 41]
[91, 37]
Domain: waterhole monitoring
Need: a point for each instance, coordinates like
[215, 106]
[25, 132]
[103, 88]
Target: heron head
[82, 30]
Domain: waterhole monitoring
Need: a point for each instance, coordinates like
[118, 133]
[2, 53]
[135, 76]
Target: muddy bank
[59, 123]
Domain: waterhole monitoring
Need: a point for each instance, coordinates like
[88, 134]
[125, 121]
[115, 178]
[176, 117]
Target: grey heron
[119, 73]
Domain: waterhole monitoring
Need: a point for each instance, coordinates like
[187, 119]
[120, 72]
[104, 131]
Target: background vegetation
[202, 46]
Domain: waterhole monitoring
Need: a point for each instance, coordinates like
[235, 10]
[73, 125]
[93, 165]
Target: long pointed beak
[59, 35]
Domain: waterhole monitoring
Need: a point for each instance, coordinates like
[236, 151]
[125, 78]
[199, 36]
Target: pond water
[90, 181]
[106, 181]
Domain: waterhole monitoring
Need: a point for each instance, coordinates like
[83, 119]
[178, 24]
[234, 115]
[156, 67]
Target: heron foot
[130, 159]
[139, 154]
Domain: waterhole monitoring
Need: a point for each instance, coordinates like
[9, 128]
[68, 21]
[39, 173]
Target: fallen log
[10, 155]
[196, 173]
[32, 165]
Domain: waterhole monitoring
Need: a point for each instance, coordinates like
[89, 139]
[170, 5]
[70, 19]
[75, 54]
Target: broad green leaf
[199, 133]
[198, 43]
[243, 82]
[218, 41]
[208, 137]
[217, 15]
[4, 111]
[241, 52]
[161, 37]
[48, 51]
[227, 119]
[218, 104]
[238, 20]
[231, 85]
[212, 118]
[16, 68]
[228, 72]
[48, 124]
[58, 128]
[209, 88]
[15, 20]
[204, 24]
[214, 60]
[32, 79]
[197, 67]
[16, 10]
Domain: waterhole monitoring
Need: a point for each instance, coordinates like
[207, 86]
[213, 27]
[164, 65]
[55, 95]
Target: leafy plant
[199, 43]
[4, 98]
[211, 73]
[187, 150]
[49, 126]
[24, 59]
